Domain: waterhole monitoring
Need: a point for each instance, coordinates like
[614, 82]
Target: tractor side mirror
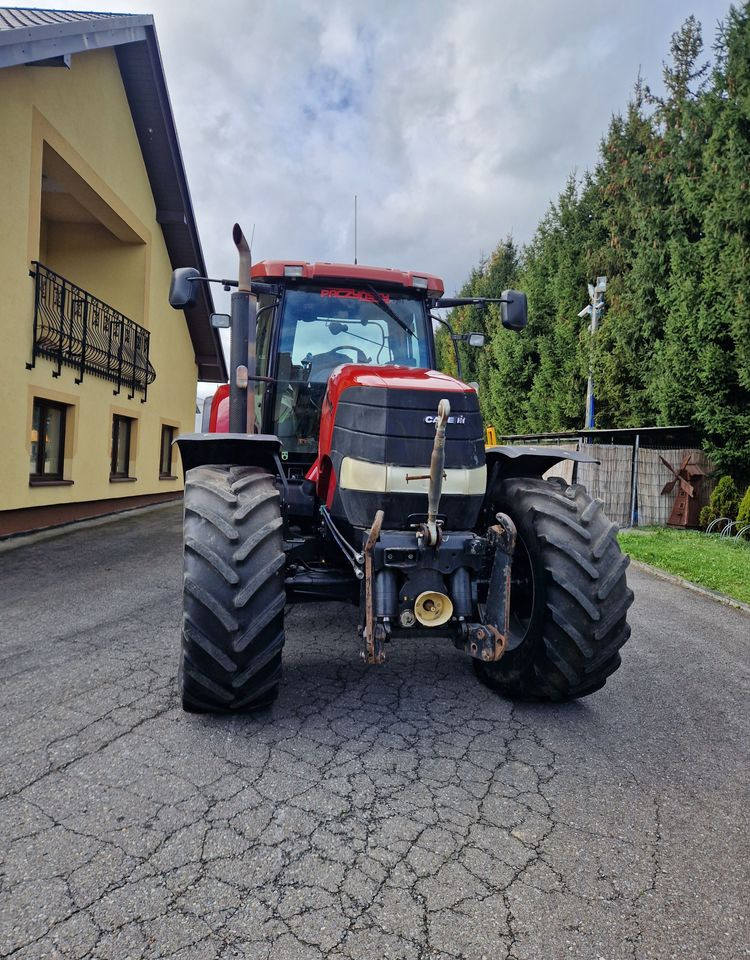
[475, 339]
[514, 310]
[221, 321]
[183, 290]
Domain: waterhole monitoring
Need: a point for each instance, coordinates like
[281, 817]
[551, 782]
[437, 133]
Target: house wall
[75, 126]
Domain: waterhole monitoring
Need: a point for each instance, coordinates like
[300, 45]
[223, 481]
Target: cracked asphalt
[404, 811]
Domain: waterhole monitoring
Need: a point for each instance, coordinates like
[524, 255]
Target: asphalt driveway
[395, 812]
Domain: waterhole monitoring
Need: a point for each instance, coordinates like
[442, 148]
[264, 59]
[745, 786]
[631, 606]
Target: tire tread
[233, 622]
[579, 621]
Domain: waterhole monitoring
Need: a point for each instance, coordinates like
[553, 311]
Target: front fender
[237, 449]
[521, 461]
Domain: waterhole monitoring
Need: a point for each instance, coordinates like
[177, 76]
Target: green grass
[722, 565]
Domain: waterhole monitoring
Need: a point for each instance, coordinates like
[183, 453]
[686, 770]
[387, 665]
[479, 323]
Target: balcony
[74, 329]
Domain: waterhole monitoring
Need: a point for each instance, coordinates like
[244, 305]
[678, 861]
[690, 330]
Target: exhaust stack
[242, 373]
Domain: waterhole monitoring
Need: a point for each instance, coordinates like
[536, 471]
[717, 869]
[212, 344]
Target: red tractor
[338, 464]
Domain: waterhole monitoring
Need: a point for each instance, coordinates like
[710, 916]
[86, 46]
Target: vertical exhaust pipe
[243, 249]
[242, 361]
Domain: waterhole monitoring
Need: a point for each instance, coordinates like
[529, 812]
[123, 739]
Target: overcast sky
[454, 123]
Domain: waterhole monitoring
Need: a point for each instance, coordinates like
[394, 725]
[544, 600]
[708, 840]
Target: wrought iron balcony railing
[73, 328]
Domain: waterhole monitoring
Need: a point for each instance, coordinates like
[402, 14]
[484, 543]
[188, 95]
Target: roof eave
[30, 44]
[174, 209]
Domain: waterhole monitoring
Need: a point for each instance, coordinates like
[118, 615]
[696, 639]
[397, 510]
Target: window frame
[284, 334]
[358, 304]
[119, 419]
[39, 475]
[171, 430]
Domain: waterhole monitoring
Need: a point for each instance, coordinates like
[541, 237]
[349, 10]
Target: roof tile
[13, 18]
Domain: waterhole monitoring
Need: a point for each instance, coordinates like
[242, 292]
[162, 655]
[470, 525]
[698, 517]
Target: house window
[47, 440]
[165, 458]
[122, 433]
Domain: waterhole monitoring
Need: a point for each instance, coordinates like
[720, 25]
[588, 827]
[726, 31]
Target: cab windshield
[325, 327]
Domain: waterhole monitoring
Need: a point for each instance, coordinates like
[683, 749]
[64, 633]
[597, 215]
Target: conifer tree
[722, 405]
[632, 202]
[666, 216]
[681, 124]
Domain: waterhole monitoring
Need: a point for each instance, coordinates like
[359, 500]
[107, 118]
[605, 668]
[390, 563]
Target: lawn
[722, 565]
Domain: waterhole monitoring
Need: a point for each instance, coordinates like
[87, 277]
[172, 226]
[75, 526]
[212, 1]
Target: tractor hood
[377, 431]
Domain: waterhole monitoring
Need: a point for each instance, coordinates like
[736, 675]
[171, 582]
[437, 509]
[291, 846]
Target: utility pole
[594, 310]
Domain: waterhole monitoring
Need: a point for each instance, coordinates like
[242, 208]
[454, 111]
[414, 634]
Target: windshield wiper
[390, 311]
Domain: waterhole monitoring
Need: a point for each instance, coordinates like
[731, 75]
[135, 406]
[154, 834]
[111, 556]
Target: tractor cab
[321, 328]
[316, 318]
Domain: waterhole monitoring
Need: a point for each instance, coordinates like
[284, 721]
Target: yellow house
[97, 372]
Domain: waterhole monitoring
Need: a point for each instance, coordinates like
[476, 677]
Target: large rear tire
[569, 596]
[233, 590]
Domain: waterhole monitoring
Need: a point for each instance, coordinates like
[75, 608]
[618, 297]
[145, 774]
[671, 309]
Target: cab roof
[287, 270]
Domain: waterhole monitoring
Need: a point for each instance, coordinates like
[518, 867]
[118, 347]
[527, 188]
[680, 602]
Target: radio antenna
[355, 228]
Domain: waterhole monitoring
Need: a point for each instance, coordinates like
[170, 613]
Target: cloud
[454, 123]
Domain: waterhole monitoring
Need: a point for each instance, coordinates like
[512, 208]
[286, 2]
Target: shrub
[743, 514]
[726, 498]
[724, 503]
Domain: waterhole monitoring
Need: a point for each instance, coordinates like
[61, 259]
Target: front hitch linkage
[487, 641]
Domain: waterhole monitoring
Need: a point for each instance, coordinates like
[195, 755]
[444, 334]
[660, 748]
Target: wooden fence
[611, 480]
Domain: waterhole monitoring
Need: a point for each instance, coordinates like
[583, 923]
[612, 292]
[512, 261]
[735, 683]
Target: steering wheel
[322, 365]
[361, 355]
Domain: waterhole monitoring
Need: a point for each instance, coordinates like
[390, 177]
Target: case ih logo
[459, 418]
[346, 294]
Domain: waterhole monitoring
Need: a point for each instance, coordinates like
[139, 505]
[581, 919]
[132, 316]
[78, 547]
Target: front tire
[233, 590]
[569, 596]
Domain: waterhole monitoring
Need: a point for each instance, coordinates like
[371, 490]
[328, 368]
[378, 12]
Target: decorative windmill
[687, 479]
